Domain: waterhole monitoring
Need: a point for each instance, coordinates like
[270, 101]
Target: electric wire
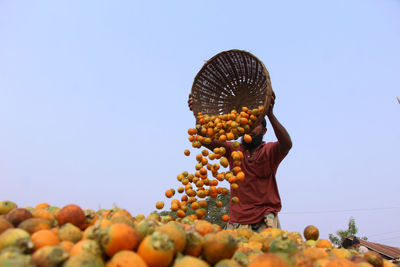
[386, 233]
[389, 238]
[335, 211]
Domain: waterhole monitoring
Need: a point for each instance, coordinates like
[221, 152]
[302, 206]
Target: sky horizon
[93, 102]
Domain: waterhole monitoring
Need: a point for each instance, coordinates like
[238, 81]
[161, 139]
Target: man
[259, 200]
[357, 246]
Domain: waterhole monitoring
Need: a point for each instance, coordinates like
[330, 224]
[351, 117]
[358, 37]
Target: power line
[384, 233]
[390, 238]
[337, 211]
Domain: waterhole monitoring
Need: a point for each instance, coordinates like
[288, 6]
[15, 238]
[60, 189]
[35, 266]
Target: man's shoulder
[269, 145]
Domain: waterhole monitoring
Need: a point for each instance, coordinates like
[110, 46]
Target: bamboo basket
[231, 80]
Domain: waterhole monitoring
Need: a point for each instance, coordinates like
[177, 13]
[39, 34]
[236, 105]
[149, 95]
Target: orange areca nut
[188, 186]
[220, 176]
[183, 207]
[198, 166]
[174, 207]
[235, 156]
[225, 191]
[236, 170]
[268, 260]
[66, 245]
[234, 186]
[199, 157]
[311, 233]
[180, 213]
[32, 225]
[126, 258]
[218, 246]
[169, 193]
[43, 238]
[42, 206]
[232, 180]
[255, 112]
[225, 217]
[47, 256]
[224, 162]
[218, 203]
[194, 244]
[71, 214]
[70, 232]
[157, 250]
[324, 243]
[203, 203]
[160, 205]
[204, 152]
[176, 233]
[202, 227]
[195, 205]
[222, 138]
[119, 237]
[203, 171]
[180, 177]
[174, 201]
[213, 182]
[192, 131]
[240, 176]
[86, 245]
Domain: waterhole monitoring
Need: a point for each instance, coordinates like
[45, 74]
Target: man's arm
[285, 142]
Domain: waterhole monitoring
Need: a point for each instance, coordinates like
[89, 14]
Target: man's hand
[190, 102]
[270, 111]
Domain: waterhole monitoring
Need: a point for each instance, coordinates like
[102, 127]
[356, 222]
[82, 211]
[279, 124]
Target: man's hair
[264, 123]
[347, 243]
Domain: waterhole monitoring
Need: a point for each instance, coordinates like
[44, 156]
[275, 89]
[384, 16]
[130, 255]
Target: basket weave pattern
[231, 80]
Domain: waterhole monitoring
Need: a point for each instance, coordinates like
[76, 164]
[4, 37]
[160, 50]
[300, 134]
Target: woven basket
[231, 80]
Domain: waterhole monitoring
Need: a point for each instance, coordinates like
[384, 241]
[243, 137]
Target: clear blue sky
[93, 102]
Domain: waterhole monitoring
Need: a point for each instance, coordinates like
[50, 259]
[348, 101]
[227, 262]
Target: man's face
[257, 135]
[259, 129]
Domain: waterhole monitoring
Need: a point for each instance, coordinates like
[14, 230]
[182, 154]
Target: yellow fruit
[247, 138]
[224, 162]
[311, 233]
[159, 205]
[6, 206]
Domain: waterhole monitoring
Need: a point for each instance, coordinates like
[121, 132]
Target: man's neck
[254, 149]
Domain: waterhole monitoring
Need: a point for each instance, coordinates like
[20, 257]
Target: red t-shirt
[258, 193]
